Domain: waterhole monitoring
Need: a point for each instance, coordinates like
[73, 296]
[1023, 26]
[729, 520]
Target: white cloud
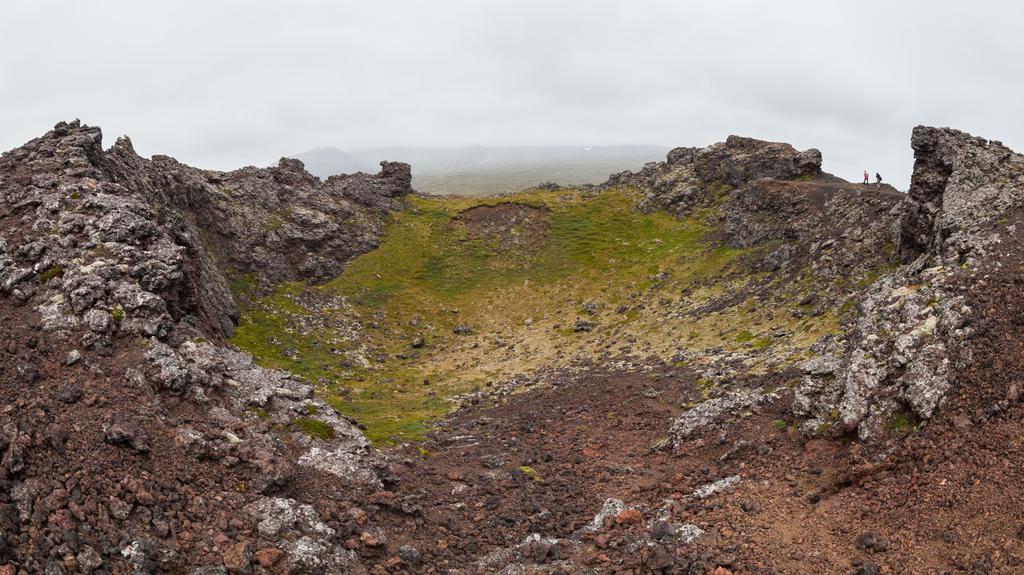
[223, 84]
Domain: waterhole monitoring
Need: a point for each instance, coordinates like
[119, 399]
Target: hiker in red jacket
[865, 177]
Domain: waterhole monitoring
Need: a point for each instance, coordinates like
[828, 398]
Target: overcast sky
[226, 84]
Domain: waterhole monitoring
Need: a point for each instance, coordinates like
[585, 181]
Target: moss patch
[743, 336]
[529, 472]
[352, 337]
[51, 273]
[314, 427]
[260, 413]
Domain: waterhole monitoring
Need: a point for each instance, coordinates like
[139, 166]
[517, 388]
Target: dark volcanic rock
[176, 227]
[70, 393]
[137, 450]
[156, 448]
[895, 364]
[280, 223]
[961, 185]
[127, 435]
[695, 177]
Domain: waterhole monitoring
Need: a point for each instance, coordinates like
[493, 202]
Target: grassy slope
[353, 336]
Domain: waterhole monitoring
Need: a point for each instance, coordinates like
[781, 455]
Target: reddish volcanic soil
[948, 498]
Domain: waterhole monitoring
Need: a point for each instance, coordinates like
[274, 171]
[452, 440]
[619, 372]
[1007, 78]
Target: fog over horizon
[227, 84]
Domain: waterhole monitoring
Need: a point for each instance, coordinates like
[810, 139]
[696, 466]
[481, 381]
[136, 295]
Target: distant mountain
[482, 170]
[323, 162]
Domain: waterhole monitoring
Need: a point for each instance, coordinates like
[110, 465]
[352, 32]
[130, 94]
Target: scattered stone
[372, 539]
[583, 325]
[237, 557]
[629, 517]
[707, 412]
[662, 531]
[27, 373]
[88, 559]
[868, 568]
[688, 533]
[491, 461]
[718, 486]
[872, 543]
[410, 555]
[1013, 393]
[70, 393]
[610, 509]
[268, 556]
[126, 434]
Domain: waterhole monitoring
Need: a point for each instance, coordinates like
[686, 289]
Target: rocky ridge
[135, 440]
[691, 178]
[895, 363]
[928, 453]
[132, 437]
[770, 195]
[892, 363]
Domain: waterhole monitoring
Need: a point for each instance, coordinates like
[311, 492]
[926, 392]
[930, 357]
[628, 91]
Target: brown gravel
[945, 498]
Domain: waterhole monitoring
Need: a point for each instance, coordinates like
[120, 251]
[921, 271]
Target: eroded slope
[894, 453]
[133, 439]
[737, 363]
[467, 294]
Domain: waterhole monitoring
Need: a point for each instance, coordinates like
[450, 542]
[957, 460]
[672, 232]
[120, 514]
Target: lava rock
[70, 393]
[410, 555]
[128, 435]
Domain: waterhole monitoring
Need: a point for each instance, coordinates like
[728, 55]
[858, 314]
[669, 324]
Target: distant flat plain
[487, 170]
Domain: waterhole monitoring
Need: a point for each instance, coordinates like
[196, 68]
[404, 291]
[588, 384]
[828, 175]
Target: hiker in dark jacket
[878, 178]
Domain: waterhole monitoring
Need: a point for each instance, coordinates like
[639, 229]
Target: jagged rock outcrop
[894, 367]
[812, 233]
[894, 360]
[280, 223]
[768, 210]
[132, 438]
[758, 193]
[709, 412]
[961, 186]
[692, 178]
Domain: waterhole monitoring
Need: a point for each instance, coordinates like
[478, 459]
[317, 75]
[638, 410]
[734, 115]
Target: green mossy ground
[51, 273]
[314, 427]
[430, 274]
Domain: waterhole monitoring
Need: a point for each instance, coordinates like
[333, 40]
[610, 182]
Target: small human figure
[865, 176]
[878, 179]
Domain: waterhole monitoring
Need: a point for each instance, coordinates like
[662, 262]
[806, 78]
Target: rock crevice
[894, 367]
